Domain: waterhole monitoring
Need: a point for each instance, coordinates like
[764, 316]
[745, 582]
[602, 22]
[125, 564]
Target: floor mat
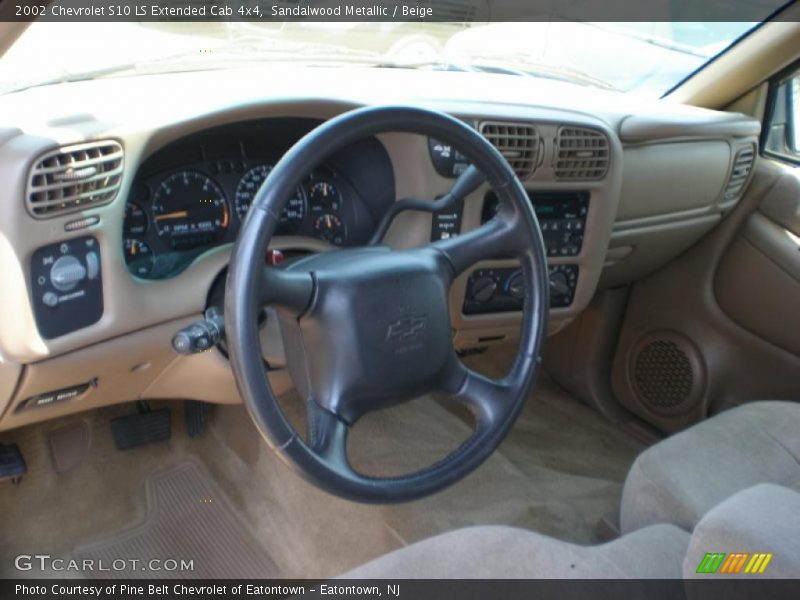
[188, 519]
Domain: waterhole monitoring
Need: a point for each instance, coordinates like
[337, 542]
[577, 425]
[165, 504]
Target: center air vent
[73, 178]
[742, 165]
[517, 142]
[581, 154]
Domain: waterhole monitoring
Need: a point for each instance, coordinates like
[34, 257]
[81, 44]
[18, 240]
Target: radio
[561, 215]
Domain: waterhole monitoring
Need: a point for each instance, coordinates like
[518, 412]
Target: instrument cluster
[173, 216]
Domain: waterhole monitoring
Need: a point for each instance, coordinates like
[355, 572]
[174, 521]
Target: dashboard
[120, 210]
[195, 194]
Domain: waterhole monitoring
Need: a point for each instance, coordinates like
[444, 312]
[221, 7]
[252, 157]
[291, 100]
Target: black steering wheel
[366, 328]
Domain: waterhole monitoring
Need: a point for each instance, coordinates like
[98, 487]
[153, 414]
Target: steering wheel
[367, 328]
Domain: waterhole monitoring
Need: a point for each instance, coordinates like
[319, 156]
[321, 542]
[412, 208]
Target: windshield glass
[642, 58]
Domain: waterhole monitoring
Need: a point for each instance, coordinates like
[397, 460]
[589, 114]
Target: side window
[782, 134]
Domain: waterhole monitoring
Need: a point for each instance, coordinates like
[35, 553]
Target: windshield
[642, 58]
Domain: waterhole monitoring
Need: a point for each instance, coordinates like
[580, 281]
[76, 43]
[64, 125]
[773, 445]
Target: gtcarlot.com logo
[46, 562]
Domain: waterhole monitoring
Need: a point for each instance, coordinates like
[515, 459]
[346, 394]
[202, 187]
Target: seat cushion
[681, 478]
[762, 520]
[494, 552]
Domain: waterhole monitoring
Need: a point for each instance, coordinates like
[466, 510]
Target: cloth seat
[495, 552]
[764, 519]
[761, 520]
[732, 481]
[680, 479]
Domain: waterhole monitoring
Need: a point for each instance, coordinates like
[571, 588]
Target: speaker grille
[663, 374]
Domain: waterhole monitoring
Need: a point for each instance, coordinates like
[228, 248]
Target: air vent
[742, 165]
[73, 178]
[517, 142]
[581, 154]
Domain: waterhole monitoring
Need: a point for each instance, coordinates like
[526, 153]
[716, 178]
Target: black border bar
[392, 10]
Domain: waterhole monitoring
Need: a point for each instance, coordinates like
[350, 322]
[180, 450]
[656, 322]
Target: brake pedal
[146, 427]
[12, 464]
[195, 413]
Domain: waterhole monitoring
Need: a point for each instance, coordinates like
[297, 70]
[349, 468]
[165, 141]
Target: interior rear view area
[307, 299]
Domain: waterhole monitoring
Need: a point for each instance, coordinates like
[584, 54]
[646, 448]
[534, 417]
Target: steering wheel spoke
[488, 399]
[327, 436]
[494, 239]
[290, 290]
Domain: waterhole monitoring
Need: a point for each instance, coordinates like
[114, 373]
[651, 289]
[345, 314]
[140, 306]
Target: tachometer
[330, 227]
[293, 213]
[189, 210]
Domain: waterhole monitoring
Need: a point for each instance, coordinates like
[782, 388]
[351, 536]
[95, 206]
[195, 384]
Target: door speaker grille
[666, 372]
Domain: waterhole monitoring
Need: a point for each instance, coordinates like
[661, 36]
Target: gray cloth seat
[731, 480]
[495, 552]
[680, 479]
[764, 519]
[761, 519]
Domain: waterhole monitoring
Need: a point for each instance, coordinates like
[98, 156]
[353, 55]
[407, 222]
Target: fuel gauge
[331, 229]
[139, 257]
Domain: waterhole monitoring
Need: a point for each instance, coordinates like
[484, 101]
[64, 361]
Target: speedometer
[293, 213]
[189, 210]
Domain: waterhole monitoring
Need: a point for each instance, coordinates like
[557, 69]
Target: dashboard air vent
[581, 154]
[517, 142]
[73, 178]
[742, 165]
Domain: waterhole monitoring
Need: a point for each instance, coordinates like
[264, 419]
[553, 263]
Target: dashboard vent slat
[73, 178]
[581, 154]
[740, 172]
[519, 144]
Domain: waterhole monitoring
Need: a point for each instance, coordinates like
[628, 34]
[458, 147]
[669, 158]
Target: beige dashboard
[668, 180]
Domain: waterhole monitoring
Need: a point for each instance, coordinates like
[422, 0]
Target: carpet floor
[559, 472]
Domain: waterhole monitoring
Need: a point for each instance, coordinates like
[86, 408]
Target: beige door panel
[758, 282]
[680, 356]
[782, 204]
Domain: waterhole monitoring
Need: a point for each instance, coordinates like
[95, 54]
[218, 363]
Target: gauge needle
[178, 214]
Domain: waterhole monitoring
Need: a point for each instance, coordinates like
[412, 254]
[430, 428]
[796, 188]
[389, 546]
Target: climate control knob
[483, 289]
[516, 286]
[559, 286]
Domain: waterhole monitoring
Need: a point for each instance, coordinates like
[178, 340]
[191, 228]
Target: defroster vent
[73, 178]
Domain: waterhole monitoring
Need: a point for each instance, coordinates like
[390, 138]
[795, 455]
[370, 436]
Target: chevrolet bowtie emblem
[406, 329]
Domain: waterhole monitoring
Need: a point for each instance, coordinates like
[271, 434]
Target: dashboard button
[50, 299]
[92, 265]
